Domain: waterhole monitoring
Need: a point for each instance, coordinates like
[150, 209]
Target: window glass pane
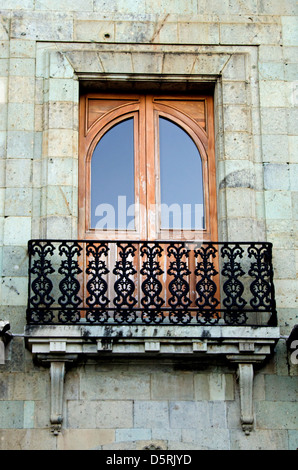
[112, 179]
[181, 179]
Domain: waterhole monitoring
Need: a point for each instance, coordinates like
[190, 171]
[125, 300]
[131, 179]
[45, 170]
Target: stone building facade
[235, 388]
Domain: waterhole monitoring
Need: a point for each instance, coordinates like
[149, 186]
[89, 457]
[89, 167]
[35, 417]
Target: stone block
[237, 145]
[105, 414]
[172, 386]
[11, 414]
[134, 31]
[272, 93]
[59, 201]
[289, 30]
[60, 66]
[124, 435]
[29, 409]
[250, 33]
[294, 197]
[198, 33]
[3, 89]
[84, 439]
[20, 116]
[29, 386]
[18, 173]
[293, 440]
[284, 268]
[292, 119]
[92, 30]
[259, 440]
[236, 118]
[22, 49]
[60, 115]
[280, 388]
[14, 291]
[4, 27]
[207, 439]
[15, 261]
[294, 177]
[240, 202]
[167, 434]
[285, 293]
[278, 204]
[18, 202]
[22, 67]
[275, 148]
[42, 26]
[2, 201]
[17, 230]
[67, 5]
[189, 414]
[276, 176]
[57, 227]
[221, 387]
[61, 89]
[61, 171]
[274, 121]
[115, 386]
[29, 439]
[271, 70]
[20, 144]
[276, 415]
[151, 414]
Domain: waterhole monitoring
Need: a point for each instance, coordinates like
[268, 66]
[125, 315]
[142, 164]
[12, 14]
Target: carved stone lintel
[246, 375]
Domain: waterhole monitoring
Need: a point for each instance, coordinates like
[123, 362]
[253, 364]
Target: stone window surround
[234, 73]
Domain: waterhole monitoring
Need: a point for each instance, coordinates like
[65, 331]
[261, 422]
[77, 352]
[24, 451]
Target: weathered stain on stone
[237, 179]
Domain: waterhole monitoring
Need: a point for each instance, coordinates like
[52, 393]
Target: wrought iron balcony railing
[160, 283]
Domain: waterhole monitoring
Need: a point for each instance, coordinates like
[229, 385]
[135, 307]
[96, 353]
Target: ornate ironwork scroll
[97, 285]
[69, 285]
[124, 286]
[42, 285]
[179, 287]
[151, 286]
[211, 283]
[233, 287]
[261, 270]
[206, 287]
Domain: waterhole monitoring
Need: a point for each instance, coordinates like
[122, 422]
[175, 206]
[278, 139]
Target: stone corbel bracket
[59, 345]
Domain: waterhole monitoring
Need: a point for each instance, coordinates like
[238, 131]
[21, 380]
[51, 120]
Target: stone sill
[125, 340]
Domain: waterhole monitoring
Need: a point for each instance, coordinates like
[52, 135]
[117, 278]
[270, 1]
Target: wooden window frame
[146, 110]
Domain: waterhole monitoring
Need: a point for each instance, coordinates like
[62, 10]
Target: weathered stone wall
[249, 49]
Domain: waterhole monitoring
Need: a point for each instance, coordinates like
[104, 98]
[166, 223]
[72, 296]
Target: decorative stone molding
[59, 345]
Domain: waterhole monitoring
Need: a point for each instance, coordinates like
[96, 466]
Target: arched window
[146, 168]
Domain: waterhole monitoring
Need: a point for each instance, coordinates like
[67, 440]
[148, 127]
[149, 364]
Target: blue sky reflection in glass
[181, 179]
[112, 178]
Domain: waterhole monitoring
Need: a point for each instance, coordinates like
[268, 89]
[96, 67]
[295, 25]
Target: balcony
[150, 283]
[179, 300]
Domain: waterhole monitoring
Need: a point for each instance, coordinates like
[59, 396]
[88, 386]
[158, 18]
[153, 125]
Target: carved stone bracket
[57, 365]
[245, 372]
[57, 385]
[246, 375]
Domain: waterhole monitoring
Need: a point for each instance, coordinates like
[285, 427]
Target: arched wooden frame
[146, 110]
